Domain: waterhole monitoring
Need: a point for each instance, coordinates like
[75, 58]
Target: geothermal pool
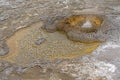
[29, 52]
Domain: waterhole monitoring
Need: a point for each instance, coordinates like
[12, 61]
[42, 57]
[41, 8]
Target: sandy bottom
[23, 49]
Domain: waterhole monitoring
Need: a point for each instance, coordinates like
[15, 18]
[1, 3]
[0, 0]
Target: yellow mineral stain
[76, 21]
[23, 49]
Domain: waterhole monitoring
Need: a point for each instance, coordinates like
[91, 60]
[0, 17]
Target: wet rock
[3, 48]
[40, 41]
[83, 28]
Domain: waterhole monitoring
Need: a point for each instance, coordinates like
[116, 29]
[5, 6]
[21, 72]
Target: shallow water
[24, 58]
[57, 46]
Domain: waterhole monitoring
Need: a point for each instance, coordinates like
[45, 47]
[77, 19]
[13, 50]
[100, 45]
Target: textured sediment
[20, 22]
[24, 50]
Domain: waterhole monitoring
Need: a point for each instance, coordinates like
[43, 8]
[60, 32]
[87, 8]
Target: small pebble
[40, 41]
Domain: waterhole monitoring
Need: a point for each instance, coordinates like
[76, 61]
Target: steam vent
[59, 39]
[83, 28]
